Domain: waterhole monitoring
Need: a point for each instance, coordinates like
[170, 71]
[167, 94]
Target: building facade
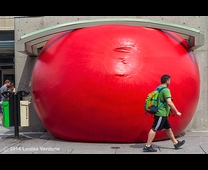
[24, 64]
[7, 48]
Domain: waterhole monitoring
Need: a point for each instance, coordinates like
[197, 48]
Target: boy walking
[161, 117]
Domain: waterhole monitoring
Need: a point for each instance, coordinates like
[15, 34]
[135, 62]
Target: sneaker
[149, 149]
[179, 144]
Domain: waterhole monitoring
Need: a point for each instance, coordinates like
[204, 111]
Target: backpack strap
[159, 90]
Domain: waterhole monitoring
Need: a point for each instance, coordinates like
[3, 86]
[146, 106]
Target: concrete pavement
[45, 143]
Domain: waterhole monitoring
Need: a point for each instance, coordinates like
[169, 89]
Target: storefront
[7, 68]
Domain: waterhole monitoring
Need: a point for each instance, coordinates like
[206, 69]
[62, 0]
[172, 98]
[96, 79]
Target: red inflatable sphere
[90, 84]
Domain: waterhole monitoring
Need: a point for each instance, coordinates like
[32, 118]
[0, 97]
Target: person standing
[3, 88]
[161, 117]
[11, 87]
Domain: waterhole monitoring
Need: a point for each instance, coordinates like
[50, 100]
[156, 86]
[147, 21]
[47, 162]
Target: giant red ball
[90, 84]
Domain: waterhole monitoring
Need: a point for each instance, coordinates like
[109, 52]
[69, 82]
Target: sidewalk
[45, 143]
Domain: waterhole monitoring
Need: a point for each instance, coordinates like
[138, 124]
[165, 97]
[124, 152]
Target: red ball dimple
[125, 62]
[90, 84]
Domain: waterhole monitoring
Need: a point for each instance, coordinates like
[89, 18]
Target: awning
[32, 43]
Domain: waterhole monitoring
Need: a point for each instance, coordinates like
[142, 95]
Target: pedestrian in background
[3, 88]
[11, 87]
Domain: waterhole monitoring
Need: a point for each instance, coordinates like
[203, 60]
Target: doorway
[7, 74]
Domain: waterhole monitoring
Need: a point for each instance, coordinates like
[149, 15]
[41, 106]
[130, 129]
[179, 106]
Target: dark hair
[164, 78]
[12, 84]
[7, 81]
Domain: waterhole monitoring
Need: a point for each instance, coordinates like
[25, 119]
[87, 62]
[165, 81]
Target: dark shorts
[160, 123]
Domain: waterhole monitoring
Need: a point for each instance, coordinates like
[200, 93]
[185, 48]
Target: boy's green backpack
[151, 102]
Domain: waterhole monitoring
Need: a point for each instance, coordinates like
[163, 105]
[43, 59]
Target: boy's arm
[172, 106]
